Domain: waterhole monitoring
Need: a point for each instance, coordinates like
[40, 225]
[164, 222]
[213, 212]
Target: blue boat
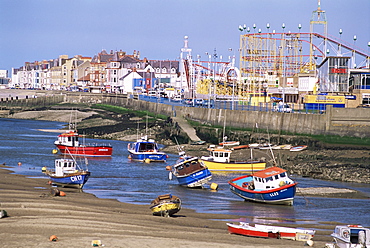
[67, 174]
[190, 172]
[271, 185]
[146, 150]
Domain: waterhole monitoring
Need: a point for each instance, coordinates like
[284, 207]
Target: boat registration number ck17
[76, 178]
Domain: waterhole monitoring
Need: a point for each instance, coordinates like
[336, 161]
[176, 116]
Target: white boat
[266, 231]
[298, 148]
[350, 236]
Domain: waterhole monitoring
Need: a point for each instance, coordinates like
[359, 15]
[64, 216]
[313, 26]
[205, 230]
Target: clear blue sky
[34, 30]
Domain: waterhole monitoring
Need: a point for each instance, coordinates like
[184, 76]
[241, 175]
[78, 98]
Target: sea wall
[335, 121]
[354, 122]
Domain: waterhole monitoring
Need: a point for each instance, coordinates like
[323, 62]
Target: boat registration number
[274, 194]
[76, 178]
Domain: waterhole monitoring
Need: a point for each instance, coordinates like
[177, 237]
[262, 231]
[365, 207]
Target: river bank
[320, 161]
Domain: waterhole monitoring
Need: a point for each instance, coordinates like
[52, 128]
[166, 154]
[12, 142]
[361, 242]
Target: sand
[79, 218]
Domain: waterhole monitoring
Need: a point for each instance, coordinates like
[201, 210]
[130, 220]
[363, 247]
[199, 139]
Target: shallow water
[139, 183]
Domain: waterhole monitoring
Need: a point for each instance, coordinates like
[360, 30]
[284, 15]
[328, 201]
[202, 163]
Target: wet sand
[78, 218]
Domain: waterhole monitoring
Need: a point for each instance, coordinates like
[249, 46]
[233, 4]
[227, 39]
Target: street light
[299, 27]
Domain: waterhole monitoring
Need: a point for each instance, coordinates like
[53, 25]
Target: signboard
[350, 97]
[324, 99]
[338, 70]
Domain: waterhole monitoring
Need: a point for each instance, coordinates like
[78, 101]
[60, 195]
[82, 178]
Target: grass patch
[122, 110]
[328, 139]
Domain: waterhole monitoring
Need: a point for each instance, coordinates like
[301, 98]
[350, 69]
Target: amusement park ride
[270, 62]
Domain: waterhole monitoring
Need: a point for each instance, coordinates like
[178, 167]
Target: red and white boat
[266, 231]
[68, 143]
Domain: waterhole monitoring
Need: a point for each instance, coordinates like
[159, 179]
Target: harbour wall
[353, 122]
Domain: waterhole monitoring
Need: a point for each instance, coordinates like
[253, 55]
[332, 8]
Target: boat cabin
[218, 154]
[69, 138]
[352, 234]
[188, 166]
[64, 166]
[270, 178]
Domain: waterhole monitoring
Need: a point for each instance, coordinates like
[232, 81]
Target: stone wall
[335, 121]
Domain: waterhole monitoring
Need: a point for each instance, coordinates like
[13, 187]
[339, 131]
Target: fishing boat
[229, 143]
[271, 185]
[67, 173]
[350, 236]
[219, 160]
[266, 231]
[146, 150]
[68, 143]
[298, 148]
[165, 205]
[190, 172]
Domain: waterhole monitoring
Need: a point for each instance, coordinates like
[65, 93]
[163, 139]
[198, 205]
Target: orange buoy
[53, 238]
[19, 163]
[61, 193]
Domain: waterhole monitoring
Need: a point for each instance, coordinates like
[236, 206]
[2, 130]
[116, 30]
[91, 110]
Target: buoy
[43, 169]
[61, 193]
[129, 157]
[214, 186]
[168, 167]
[54, 151]
[53, 238]
[19, 163]
[147, 160]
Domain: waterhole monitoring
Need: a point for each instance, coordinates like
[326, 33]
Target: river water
[139, 183]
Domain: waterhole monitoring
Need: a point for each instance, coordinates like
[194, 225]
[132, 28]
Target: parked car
[177, 98]
[282, 108]
[152, 93]
[199, 102]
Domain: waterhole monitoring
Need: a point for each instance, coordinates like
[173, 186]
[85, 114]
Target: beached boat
[350, 236]
[67, 173]
[68, 143]
[146, 150]
[165, 205]
[219, 160]
[271, 185]
[266, 231]
[190, 172]
[229, 143]
[298, 148]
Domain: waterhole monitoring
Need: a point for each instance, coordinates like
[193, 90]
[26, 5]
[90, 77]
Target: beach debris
[3, 214]
[62, 193]
[53, 238]
[96, 243]
[55, 192]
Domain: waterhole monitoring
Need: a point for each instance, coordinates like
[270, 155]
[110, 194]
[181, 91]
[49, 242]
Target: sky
[35, 30]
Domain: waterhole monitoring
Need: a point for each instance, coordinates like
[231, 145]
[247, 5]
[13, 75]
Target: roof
[269, 172]
[218, 150]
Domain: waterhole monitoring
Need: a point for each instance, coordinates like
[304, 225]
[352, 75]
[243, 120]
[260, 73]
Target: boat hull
[282, 195]
[249, 167]
[96, 151]
[165, 205]
[166, 208]
[265, 231]
[154, 157]
[75, 180]
[196, 179]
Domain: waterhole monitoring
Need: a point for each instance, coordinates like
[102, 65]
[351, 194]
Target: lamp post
[284, 69]
[354, 51]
